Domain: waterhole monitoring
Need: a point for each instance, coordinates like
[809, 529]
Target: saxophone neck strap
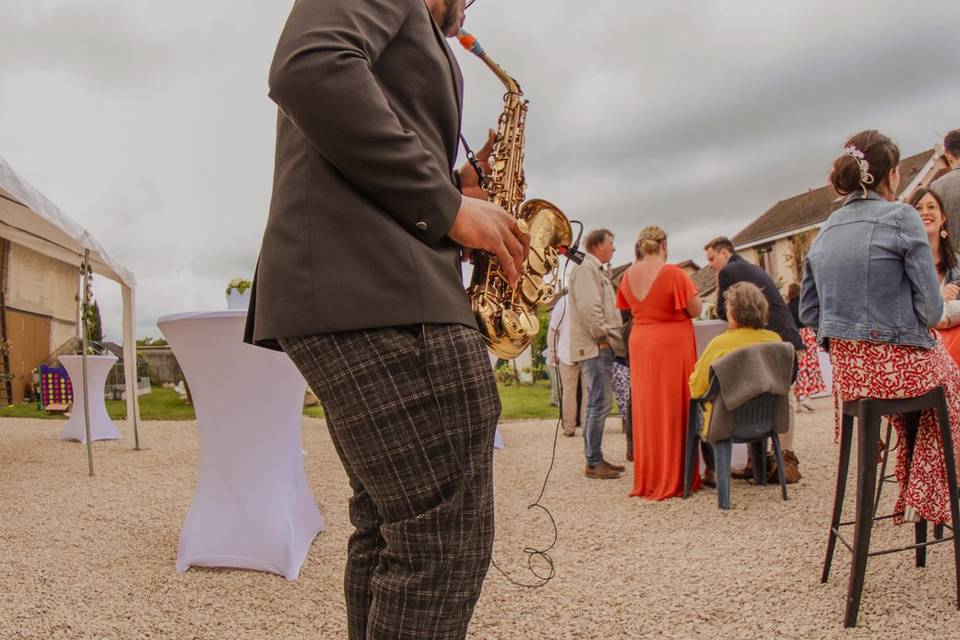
[472, 159]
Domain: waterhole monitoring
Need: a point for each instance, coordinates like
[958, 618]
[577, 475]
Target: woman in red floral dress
[871, 291]
[809, 379]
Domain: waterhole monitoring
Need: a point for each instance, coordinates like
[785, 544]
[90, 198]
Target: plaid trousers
[412, 413]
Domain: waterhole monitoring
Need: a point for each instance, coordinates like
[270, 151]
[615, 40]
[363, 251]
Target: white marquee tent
[29, 219]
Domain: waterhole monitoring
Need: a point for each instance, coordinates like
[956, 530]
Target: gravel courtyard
[94, 558]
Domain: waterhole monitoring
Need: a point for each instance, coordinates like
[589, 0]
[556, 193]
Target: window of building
[765, 260]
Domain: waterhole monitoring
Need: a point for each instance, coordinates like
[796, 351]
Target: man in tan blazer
[359, 282]
[595, 338]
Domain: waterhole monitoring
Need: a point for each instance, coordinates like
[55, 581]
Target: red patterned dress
[876, 370]
[809, 379]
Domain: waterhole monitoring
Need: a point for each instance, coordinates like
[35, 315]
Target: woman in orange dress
[662, 300]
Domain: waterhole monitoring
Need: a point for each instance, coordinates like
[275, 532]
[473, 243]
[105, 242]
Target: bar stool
[868, 412]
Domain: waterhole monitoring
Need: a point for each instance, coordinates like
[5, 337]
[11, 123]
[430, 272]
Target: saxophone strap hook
[472, 159]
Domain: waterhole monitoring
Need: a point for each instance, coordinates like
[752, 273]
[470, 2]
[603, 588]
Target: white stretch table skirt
[497, 438]
[826, 371]
[101, 426]
[252, 507]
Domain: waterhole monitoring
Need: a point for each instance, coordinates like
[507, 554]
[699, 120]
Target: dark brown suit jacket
[363, 193]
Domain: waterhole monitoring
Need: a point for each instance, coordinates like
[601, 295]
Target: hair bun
[649, 240]
[845, 176]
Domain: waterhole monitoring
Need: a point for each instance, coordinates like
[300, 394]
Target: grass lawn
[160, 404]
[526, 401]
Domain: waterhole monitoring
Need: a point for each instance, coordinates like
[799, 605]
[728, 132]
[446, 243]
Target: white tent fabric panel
[28, 218]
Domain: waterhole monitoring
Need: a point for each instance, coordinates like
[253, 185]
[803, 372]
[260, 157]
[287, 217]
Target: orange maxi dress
[662, 355]
[951, 341]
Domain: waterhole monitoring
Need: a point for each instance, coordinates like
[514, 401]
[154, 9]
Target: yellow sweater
[729, 340]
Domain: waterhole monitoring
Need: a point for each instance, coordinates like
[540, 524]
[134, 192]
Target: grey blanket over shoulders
[746, 373]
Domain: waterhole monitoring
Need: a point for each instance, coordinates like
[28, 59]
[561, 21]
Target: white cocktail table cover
[101, 426]
[252, 507]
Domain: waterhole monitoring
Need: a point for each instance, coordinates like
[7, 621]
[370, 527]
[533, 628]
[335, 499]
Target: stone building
[40, 310]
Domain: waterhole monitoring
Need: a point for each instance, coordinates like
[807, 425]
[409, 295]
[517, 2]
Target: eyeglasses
[467, 5]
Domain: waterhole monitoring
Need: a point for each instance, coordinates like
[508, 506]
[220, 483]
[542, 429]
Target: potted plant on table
[238, 294]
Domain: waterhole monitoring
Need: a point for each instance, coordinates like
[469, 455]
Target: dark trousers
[412, 413]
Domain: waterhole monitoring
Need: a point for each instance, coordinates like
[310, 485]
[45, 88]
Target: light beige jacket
[594, 317]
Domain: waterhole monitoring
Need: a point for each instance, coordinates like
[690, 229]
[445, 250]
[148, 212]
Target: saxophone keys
[511, 322]
[523, 226]
[547, 293]
[529, 323]
[551, 258]
[538, 263]
[532, 288]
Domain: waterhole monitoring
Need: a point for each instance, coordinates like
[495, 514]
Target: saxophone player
[359, 282]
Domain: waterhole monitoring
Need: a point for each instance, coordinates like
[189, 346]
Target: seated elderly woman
[747, 310]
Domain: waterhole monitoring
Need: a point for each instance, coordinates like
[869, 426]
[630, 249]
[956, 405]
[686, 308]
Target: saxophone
[508, 317]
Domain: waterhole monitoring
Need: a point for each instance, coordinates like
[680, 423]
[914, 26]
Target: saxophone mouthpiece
[469, 42]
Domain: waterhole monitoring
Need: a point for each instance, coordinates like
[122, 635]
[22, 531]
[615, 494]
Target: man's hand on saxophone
[485, 226]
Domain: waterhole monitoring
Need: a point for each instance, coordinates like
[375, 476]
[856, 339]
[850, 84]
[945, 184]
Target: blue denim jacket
[870, 276]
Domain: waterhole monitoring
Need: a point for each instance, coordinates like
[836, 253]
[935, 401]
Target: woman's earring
[943, 233]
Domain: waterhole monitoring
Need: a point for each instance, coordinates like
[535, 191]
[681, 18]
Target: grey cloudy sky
[148, 121]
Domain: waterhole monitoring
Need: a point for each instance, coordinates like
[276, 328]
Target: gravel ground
[94, 558]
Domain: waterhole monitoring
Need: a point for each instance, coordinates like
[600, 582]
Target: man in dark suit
[359, 282]
[731, 268]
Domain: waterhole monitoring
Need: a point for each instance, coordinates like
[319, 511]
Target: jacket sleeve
[809, 300]
[918, 265]
[585, 293]
[723, 283]
[322, 81]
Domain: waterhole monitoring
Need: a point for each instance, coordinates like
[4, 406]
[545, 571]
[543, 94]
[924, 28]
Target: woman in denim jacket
[871, 292]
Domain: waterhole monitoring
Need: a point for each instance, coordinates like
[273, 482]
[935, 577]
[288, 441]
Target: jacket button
[422, 225]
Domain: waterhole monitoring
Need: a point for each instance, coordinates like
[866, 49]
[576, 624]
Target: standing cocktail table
[252, 507]
[101, 426]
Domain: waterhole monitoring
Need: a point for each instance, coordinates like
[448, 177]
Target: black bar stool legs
[943, 418]
[843, 468]
[868, 441]
[867, 413]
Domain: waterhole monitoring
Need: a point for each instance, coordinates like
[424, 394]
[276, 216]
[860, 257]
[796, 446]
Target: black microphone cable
[534, 555]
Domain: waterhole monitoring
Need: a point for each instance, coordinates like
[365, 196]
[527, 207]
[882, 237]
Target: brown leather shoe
[614, 467]
[600, 472]
[791, 467]
[570, 432]
[708, 479]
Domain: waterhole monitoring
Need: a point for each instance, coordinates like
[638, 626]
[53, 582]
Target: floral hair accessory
[856, 154]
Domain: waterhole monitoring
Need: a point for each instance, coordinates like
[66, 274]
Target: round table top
[203, 315]
[74, 358]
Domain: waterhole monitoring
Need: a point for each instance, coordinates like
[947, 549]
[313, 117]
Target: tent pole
[86, 333]
[130, 365]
